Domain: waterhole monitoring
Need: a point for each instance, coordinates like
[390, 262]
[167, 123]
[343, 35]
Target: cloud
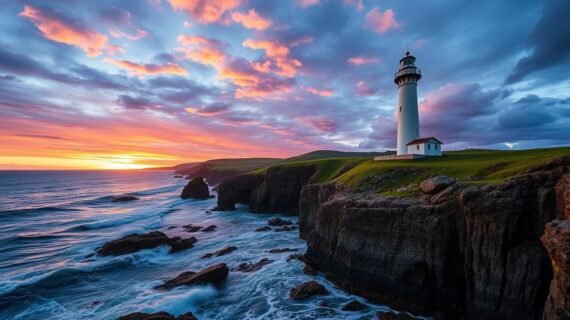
[362, 89]
[210, 110]
[528, 112]
[205, 11]
[322, 93]
[320, 123]
[62, 30]
[251, 20]
[301, 41]
[278, 54]
[360, 60]
[356, 3]
[307, 3]
[148, 69]
[380, 22]
[202, 50]
[549, 42]
[134, 103]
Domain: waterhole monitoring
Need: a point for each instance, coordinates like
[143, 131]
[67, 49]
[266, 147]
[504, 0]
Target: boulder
[192, 228]
[353, 305]
[211, 275]
[266, 228]
[136, 242]
[308, 270]
[556, 241]
[196, 189]
[279, 250]
[436, 184]
[210, 228]
[285, 228]
[251, 267]
[278, 222]
[307, 290]
[221, 252]
[157, 316]
[124, 198]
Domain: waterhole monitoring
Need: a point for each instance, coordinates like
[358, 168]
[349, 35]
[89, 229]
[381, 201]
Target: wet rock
[279, 250]
[192, 228]
[393, 316]
[237, 190]
[136, 242]
[285, 228]
[178, 176]
[221, 252]
[309, 270]
[124, 198]
[266, 228]
[181, 244]
[251, 267]
[324, 304]
[211, 275]
[171, 227]
[296, 256]
[353, 305]
[157, 316]
[556, 241]
[196, 189]
[210, 228]
[307, 290]
[436, 184]
[208, 211]
[278, 222]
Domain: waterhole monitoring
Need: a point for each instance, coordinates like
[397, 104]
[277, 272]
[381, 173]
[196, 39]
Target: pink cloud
[360, 60]
[380, 22]
[136, 35]
[149, 69]
[302, 40]
[251, 20]
[205, 11]
[357, 3]
[322, 93]
[58, 30]
[320, 123]
[209, 110]
[278, 54]
[307, 3]
[202, 50]
[362, 89]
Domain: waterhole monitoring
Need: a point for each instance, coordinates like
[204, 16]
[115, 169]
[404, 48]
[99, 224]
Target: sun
[123, 163]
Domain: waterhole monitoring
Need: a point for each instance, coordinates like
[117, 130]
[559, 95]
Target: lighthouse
[407, 79]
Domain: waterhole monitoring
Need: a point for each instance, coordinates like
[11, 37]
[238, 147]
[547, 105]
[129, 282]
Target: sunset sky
[129, 84]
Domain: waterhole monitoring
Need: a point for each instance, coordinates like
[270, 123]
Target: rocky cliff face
[276, 191]
[556, 240]
[467, 251]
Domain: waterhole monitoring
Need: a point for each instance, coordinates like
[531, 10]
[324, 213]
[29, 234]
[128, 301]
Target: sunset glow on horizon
[154, 83]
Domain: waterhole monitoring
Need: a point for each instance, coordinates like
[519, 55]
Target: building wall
[408, 118]
[423, 149]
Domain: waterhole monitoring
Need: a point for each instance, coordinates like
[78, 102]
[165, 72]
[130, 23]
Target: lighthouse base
[400, 157]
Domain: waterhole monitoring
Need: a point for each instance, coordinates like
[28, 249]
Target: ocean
[51, 223]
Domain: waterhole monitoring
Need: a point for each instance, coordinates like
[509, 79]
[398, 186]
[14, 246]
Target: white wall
[408, 118]
[424, 149]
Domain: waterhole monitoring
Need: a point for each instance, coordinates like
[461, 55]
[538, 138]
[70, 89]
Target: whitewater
[51, 223]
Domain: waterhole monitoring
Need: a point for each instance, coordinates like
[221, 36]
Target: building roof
[423, 140]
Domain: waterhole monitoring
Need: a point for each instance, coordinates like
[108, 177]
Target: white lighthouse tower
[407, 79]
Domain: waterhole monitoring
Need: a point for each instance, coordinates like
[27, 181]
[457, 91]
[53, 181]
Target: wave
[37, 210]
[121, 221]
[154, 190]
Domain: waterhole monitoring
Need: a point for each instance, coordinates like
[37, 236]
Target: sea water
[51, 223]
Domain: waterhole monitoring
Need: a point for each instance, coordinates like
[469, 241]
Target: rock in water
[393, 316]
[556, 240]
[251, 267]
[192, 228]
[308, 270]
[436, 184]
[182, 244]
[124, 198]
[210, 228]
[221, 252]
[353, 305]
[136, 242]
[279, 250]
[211, 275]
[278, 222]
[307, 289]
[266, 228]
[285, 228]
[196, 189]
[157, 316]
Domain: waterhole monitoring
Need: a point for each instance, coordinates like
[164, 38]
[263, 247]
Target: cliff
[556, 240]
[470, 251]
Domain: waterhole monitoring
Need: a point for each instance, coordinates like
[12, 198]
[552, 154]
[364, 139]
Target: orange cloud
[322, 93]
[362, 60]
[201, 50]
[58, 30]
[380, 22]
[251, 20]
[205, 11]
[149, 69]
[278, 54]
[253, 84]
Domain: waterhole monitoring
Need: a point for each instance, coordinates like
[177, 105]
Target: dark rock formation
[210, 228]
[280, 250]
[157, 316]
[307, 290]
[307, 269]
[353, 305]
[266, 228]
[136, 242]
[470, 251]
[124, 198]
[196, 189]
[237, 190]
[251, 267]
[276, 191]
[192, 228]
[220, 252]
[393, 316]
[436, 184]
[556, 240]
[274, 222]
[285, 228]
[211, 275]
[563, 197]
